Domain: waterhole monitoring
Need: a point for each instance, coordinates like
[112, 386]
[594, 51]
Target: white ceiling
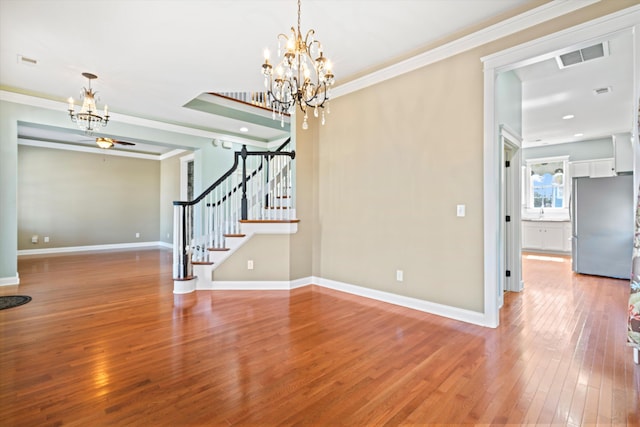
[550, 93]
[152, 57]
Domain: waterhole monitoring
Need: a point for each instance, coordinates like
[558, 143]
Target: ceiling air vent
[582, 55]
[602, 90]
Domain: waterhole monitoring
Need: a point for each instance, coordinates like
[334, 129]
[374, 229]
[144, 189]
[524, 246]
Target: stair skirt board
[449, 312]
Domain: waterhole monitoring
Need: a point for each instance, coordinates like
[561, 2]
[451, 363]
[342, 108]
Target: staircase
[254, 196]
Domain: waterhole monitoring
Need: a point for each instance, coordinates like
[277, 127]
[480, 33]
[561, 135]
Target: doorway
[499, 239]
[510, 212]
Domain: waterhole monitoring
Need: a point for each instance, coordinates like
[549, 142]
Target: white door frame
[510, 140]
[626, 20]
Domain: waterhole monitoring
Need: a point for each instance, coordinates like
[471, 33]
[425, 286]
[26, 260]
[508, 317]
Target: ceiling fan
[106, 143]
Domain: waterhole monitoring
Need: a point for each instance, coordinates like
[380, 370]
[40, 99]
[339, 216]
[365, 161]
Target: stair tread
[202, 262]
[184, 279]
[217, 249]
[235, 235]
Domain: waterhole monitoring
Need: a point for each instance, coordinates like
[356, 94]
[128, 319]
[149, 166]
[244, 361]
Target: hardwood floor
[105, 341]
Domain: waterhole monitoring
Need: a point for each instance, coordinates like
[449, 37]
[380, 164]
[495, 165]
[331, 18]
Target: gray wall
[83, 199]
[582, 150]
[11, 113]
[509, 101]
[169, 192]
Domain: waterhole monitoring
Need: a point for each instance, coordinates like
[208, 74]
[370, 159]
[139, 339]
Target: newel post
[182, 268]
[244, 204]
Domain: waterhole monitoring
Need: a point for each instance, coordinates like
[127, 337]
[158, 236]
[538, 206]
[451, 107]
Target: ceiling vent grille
[602, 90]
[580, 56]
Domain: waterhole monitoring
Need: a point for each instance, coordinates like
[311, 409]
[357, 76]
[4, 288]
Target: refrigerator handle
[570, 215]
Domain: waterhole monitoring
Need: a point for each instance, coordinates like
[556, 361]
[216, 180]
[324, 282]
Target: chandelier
[88, 118]
[299, 78]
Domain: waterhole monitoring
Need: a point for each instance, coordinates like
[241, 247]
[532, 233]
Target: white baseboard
[258, 285]
[165, 245]
[408, 302]
[90, 248]
[9, 281]
[400, 300]
[305, 281]
[266, 285]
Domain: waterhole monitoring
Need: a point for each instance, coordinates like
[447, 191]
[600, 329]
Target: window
[546, 181]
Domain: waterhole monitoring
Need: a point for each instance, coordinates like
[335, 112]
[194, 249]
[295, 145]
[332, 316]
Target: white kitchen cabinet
[593, 168]
[603, 167]
[580, 169]
[623, 150]
[547, 236]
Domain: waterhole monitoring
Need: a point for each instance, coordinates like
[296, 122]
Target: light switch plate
[461, 210]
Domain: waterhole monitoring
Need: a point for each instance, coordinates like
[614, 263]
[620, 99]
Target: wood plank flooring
[105, 342]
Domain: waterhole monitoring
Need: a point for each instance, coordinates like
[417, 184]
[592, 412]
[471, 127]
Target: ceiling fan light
[104, 142]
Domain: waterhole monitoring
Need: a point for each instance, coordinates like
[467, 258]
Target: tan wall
[169, 192]
[80, 199]
[392, 169]
[270, 254]
[304, 246]
[394, 161]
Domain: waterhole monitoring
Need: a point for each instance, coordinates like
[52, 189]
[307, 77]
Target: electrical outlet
[399, 275]
[46, 239]
[34, 238]
[137, 235]
[250, 264]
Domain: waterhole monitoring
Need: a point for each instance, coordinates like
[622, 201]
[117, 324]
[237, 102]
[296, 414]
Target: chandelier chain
[299, 13]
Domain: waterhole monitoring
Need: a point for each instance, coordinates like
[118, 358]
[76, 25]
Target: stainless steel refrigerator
[602, 226]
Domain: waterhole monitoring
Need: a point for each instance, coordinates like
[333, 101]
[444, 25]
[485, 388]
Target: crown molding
[83, 149]
[622, 21]
[530, 18]
[34, 101]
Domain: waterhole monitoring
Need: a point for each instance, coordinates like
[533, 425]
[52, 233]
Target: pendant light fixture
[88, 118]
[303, 76]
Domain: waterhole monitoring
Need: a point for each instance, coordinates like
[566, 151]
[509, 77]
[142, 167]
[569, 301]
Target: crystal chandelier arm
[308, 43]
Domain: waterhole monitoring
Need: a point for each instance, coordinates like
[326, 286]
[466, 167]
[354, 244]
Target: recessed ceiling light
[244, 129]
[568, 117]
[577, 135]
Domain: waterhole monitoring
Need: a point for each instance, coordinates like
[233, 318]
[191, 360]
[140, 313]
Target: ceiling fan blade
[123, 142]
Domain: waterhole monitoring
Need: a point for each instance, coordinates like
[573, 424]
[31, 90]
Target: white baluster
[218, 216]
[227, 210]
[262, 187]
